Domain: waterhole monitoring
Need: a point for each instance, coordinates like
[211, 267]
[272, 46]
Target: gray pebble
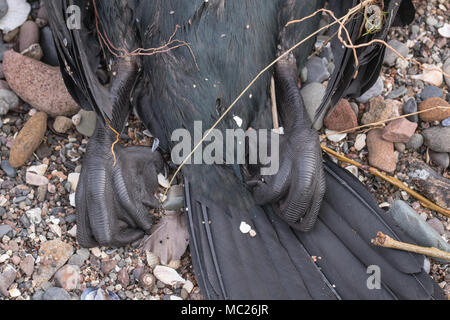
[38, 295]
[374, 91]
[431, 92]
[55, 293]
[10, 171]
[4, 229]
[415, 142]
[312, 96]
[3, 8]
[8, 100]
[441, 159]
[397, 93]
[390, 57]
[410, 106]
[317, 70]
[437, 138]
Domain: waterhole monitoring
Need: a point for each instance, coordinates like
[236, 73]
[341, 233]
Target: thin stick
[385, 241]
[381, 122]
[394, 181]
[273, 97]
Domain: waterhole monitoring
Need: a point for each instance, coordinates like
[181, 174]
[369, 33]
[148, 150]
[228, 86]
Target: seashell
[174, 264]
[163, 182]
[167, 275]
[252, 233]
[244, 227]
[98, 294]
[34, 51]
[152, 259]
[17, 14]
[76, 119]
[147, 280]
[445, 30]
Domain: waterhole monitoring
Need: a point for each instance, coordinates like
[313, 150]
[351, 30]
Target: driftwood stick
[425, 202]
[385, 241]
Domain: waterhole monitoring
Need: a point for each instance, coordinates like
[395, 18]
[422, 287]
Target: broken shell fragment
[147, 280]
[167, 275]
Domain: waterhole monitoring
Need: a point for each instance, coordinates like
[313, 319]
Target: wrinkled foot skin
[297, 190]
[112, 201]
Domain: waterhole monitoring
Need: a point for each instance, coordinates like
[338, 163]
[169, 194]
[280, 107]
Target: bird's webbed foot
[114, 193]
[297, 189]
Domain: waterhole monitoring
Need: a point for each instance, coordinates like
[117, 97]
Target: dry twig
[394, 181]
[385, 241]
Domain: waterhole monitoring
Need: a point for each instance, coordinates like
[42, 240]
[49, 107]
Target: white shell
[152, 259]
[167, 275]
[445, 30]
[334, 136]
[17, 14]
[163, 182]
[244, 227]
[360, 141]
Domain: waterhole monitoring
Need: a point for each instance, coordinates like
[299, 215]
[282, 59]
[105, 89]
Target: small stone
[374, 91]
[167, 275]
[437, 114]
[39, 169]
[431, 92]
[53, 255]
[431, 21]
[432, 75]
[41, 193]
[381, 152]
[76, 260]
[399, 130]
[68, 277]
[108, 266]
[437, 225]
[34, 52]
[415, 142]
[29, 34]
[437, 138]
[55, 293]
[410, 106]
[445, 30]
[397, 93]
[441, 159]
[88, 121]
[14, 293]
[7, 278]
[380, 110]
[360, 141]
[62, 124]
[16, 14]
[8, 101]
[446, 122]
[317, 70]
[341, 118]
[400, 147]
[313, 94]
[390, 57]
[123, 277]
[188, 286]
[38, 295]
[73, 231]
[10, 171]
[28, 139]
[4, 229]
[334, 136]
[35, 179]
[34, 215]
[38, 84]
[27, 265]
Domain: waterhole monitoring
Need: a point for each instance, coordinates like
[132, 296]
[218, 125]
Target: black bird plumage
[231, 42]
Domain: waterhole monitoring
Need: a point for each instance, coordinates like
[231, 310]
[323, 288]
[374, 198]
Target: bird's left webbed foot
[297, 189]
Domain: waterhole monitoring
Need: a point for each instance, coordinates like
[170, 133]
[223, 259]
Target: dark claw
[112, 200]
